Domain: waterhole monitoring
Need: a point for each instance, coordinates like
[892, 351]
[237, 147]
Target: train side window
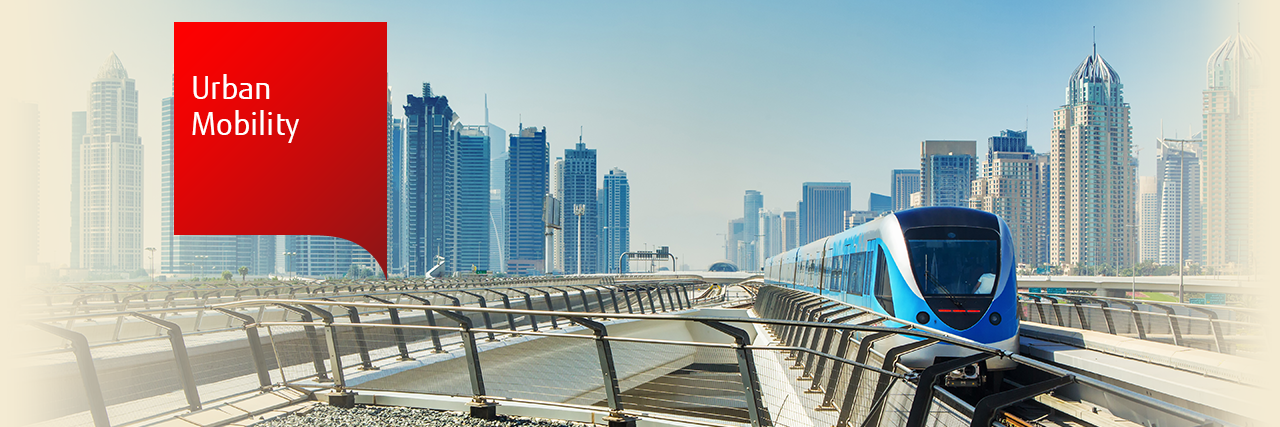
[855, 273]
[884, 292]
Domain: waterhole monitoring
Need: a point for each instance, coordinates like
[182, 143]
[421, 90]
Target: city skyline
[1172, 57]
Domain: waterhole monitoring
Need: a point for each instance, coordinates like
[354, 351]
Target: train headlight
[922, 318]
[994, 318]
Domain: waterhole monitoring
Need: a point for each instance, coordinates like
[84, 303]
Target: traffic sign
[1216, 298]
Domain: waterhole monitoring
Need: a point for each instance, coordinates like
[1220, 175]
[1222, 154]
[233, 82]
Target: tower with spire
[1233, 77]
[1092, 222]
[110, 173]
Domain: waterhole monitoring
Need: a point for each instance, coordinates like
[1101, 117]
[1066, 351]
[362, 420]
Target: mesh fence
[681, 380]
[300, 353]
[551, 369]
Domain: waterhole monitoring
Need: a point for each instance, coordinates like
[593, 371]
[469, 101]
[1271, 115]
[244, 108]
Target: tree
[353, 272]
[244, 272]
[226, 274]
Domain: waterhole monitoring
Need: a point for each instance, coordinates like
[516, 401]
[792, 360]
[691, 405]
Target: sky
[696, 101]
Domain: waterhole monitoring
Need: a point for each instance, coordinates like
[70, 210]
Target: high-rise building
[1178, 181]
[856, 218]
[822, 208]
[1008, 186]
[1091, 201]
[1230, 126]
[879, 203]
[1148, 219]
[602, 243]
[111, 173]
[497, 183]
[771, 236]
[752, 203]
[467, 205]
[904, 182]
[580, 204]
[428, 135]
[790, 230]
[79, 122]
[732, 241]
[617, 214]
[527, 169]
[947, 170]
[555, 259]
[189, 255]
[1042, 206]
[397, 196]
[322, 256]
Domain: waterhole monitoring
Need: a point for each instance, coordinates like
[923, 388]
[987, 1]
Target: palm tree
[244, 271]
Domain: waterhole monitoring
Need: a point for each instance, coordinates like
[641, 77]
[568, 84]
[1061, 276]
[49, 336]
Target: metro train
[950, 269]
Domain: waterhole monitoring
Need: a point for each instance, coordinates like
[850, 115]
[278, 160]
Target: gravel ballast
[391, 416]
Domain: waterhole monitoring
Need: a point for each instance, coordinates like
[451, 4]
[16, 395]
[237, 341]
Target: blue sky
[697, 101]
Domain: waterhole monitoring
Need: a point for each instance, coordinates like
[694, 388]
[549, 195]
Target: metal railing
[828, 363]
[198, 376]
[1223, 329]
[843, 395]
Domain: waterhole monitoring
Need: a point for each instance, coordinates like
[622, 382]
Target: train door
[883, 288]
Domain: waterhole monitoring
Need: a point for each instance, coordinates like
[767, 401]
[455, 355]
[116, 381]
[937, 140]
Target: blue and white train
[951, 269]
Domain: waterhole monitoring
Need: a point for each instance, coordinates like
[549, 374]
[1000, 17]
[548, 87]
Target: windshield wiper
[949, 295]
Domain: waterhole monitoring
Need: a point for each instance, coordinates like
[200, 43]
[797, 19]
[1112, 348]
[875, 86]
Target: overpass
[702, 348]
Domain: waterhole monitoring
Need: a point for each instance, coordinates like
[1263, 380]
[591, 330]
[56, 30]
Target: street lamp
[200, 260]
[151, 255]
[288, 261]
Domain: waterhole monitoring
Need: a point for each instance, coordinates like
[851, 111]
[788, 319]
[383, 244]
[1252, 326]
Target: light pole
[151, 255]
[200, 259]
[578, 210]
[288, 261]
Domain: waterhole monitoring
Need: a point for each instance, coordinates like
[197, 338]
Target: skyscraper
[497, 183]
[733, 242]
[397, 196]
[1008, 186]
[79, 122]
[1092, 218]
[771, 236]
[822, 208]
[617, 213]
[879, 203]
[947, 170]
[752, 203]
[904, 182]
[527, 167]
[1230, 113]
[580, 215]
[193, 255]
[1043, 175]
[1148, 219]
[467, 205]
[555, 259]
[428, 135]
[790, 230]
[1178, 181]
[111, 173]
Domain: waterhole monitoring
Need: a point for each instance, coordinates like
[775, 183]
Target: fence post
[827, 336]
[613, 295]
[255, 347]
[882, 386]
[528, 305]
[855, 381]
[488, 324]
[924, 387]
[546, 298]
[616, 417]
[366, 363]
[317, 360]
[399, 334]
[506, 304]
[431, 321]
[185, 375]
[756, 409]
[1173, 323]
[1213, 328]
[88, 374]
[480, 408]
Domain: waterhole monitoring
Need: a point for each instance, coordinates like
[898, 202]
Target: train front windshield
[954, 261]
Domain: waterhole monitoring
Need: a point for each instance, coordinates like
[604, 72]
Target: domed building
[723, 266]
